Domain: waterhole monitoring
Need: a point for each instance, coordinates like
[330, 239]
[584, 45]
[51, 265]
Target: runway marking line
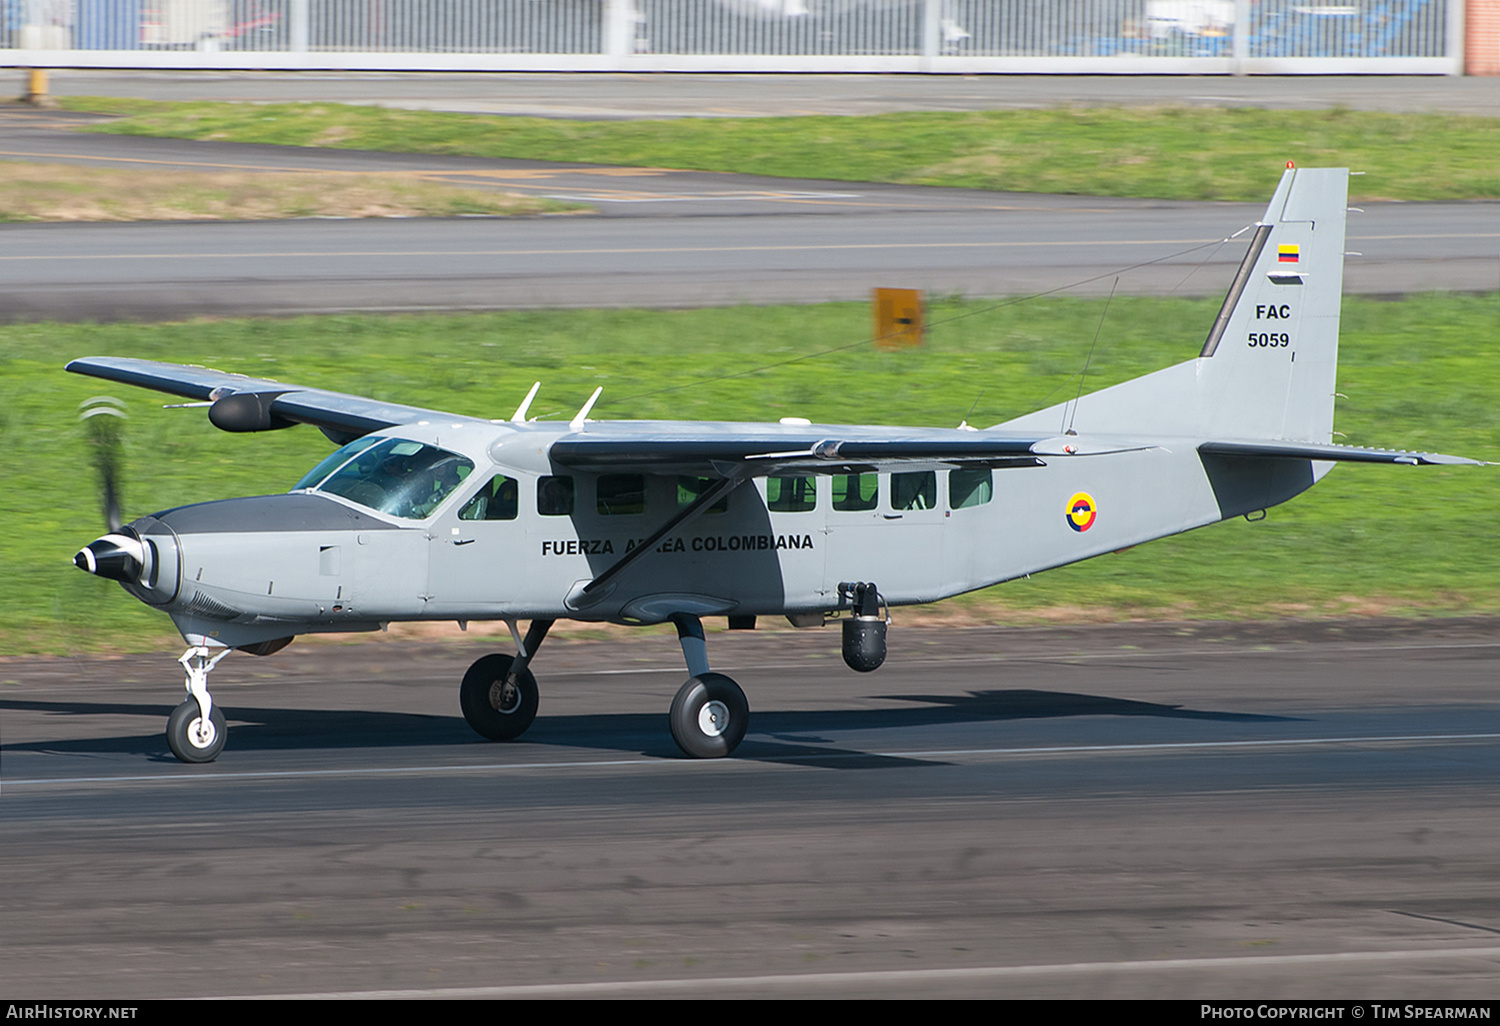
[801, 757]
[877, 977]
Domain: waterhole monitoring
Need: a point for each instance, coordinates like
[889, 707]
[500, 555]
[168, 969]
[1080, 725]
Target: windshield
[337, 458]
[400, 477]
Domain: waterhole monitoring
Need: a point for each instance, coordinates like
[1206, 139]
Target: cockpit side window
[497, 500]
[403, 478]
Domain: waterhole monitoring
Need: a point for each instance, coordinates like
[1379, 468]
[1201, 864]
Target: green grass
[1177, 153]
[1419, 374]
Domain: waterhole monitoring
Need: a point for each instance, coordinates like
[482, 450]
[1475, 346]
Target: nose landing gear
[196, 731]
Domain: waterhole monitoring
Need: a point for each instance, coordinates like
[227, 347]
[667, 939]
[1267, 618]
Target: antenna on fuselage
[1068, 427]
[577, 422]
[519, 417]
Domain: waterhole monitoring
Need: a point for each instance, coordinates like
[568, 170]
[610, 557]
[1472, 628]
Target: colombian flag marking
[1287, 254]
[1081, 512]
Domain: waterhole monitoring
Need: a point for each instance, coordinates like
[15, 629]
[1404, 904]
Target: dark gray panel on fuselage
[295, 512]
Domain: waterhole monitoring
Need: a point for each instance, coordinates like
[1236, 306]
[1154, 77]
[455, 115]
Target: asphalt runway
[1194, 810]
[661, 237]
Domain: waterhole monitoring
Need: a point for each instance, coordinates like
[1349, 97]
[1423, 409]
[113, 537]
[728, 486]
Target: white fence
[957, 36]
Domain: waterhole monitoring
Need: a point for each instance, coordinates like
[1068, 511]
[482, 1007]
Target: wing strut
[710, 495]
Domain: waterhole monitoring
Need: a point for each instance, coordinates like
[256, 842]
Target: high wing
[737, 451]
[756, 450]
[241, 403]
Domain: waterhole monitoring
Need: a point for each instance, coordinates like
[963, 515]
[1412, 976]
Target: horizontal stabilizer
[1315, 451]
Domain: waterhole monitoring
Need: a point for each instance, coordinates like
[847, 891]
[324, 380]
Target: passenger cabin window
[621, 495]
[554, 496]
[916, 490]
[791, 494]
[970, 488]
[689, 488]
[856, 491]
[497, 500]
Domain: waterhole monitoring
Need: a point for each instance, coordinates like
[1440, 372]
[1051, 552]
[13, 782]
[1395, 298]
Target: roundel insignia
[1082, 511]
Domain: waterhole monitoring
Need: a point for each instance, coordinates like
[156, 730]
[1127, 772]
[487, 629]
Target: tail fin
[1268, 367]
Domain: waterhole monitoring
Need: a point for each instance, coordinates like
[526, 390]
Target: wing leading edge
[266, 403]
[750, 453]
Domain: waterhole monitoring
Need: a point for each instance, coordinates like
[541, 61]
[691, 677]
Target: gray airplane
[426, 515]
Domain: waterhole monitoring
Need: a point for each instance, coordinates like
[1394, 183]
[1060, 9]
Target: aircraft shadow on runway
[776, 735]
[1029, 704]
[804, 734]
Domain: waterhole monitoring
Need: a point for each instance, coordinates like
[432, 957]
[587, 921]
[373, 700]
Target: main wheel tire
[494, 710]
[709, 716]
[190, 739]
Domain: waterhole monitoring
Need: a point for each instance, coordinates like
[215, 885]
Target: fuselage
[510, 534]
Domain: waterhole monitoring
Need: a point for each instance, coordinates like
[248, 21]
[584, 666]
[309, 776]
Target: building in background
[1423, 37]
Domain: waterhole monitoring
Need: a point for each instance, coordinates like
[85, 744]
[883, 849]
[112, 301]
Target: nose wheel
[194, 737]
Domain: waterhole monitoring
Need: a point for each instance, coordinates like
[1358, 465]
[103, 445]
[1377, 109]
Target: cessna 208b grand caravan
[426, 515]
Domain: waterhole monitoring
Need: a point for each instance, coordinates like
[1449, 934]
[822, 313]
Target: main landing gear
[708, 718]
[499, 695]
[709, 713]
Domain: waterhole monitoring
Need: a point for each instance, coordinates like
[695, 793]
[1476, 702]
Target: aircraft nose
[118, 557]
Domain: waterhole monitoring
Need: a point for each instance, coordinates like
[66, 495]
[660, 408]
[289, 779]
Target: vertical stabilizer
[1267, 368]
[1271, 359]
